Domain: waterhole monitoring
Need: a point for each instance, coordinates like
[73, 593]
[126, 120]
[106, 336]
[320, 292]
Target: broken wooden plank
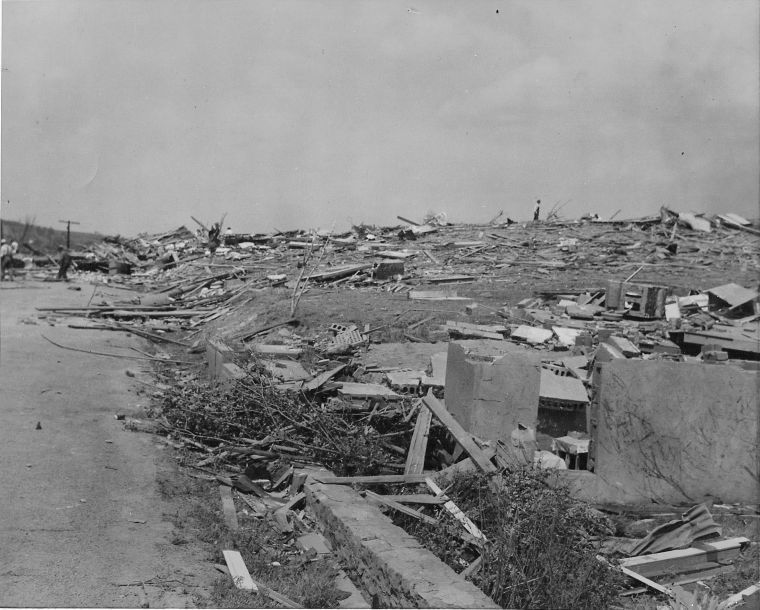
[674, 562]
[293, 502]
[247, 335]
[277, 350]
[648, 582]
[371, 479]
[460, 434]
[238, 571]
[415, 459]
[228, 508]
[337, 273]
[435, 295]
[322, 378]
[367, 390]
[463, 329]
[456, 512]
[401, 508]
[414, 499]
[411, 222]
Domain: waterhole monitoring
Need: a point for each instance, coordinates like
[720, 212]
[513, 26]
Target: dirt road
[82, 519]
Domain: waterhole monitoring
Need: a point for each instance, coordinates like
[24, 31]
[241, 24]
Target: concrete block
[490, 396]
[628, 349]
[677, 432]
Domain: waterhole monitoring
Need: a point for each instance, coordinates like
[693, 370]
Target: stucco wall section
[678, 432]
[488, 396]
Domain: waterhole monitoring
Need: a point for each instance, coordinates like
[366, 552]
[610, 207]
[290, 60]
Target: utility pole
[68, 231]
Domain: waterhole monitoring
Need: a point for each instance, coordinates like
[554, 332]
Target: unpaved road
[82, 520]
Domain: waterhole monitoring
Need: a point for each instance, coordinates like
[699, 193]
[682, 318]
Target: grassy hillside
[45, 239]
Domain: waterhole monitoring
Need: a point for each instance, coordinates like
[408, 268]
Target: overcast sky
[132, 115]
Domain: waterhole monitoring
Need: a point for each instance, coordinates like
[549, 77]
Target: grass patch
[542, 543]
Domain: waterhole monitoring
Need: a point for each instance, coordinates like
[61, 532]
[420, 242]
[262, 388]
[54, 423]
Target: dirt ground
[83, 520]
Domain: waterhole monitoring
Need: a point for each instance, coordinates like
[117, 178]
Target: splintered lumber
[415, 499]
[435, 295]
[228, 508]
[366, 390]
[459, 433]
[415, 459]
[685, 560]
[456, 512]
[646, 581]
[242, 579]
[322, 379]
[247, 335]
[372, 480]
[401, 508]
[335, 274]
[240, 575]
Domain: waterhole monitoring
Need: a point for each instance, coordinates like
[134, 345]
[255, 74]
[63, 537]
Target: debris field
[429, 375]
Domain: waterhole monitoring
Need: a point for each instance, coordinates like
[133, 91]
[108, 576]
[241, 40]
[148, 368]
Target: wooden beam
[322, 378]
[240, 575]
[456, 512]
[371, 480]
[674, 562]
[415, 458]
[228, 508]
[415, 499]
[401, 508]
[460, 434]
[411, 222]
[648, 582]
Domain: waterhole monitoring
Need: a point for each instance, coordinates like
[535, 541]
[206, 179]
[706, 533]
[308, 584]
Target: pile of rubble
[629, 391]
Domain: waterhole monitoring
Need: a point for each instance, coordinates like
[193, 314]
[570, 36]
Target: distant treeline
[44, 239]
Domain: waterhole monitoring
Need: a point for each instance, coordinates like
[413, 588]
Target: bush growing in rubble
[541, 551]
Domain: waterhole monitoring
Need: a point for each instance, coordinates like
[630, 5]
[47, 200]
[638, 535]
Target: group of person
[7, 251]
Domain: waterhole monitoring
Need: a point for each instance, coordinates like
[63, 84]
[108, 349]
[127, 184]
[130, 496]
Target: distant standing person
[537, 209]
[6, 258]
[64, 262]
[213, 238]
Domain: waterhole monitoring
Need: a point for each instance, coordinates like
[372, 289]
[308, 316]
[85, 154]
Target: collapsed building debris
[601, 366]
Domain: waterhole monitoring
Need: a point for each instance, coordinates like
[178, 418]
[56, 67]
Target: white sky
[132, 115]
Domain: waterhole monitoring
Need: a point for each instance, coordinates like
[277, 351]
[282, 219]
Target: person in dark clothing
[64, 263]
[213, 238]
[537, 209]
